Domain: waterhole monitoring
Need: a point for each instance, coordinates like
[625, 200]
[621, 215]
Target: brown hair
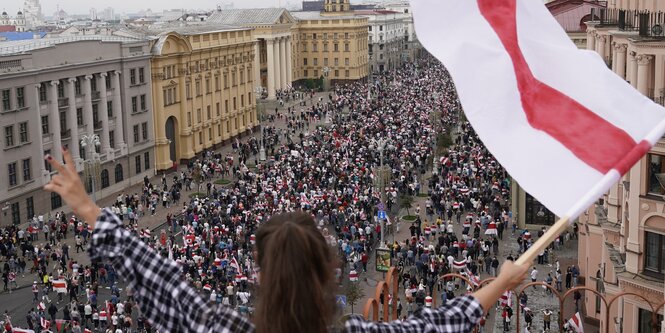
[297, 276]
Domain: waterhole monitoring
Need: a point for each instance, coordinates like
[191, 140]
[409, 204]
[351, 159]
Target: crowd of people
[325, 160]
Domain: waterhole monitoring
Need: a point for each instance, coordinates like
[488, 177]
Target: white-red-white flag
[459, 264]
[559, 121]
[21, 330]
[234, 264]
[575, 322]
[506, 298]
[60, 286]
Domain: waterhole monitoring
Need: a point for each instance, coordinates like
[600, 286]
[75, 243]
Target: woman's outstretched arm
[165, 298]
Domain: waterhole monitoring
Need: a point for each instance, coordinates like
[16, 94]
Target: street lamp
[326, 70]
[381, 145]
[262, 148]
[91, 163]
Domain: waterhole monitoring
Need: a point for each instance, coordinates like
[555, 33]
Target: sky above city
[132, 6]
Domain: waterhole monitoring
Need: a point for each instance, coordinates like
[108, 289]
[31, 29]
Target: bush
[198, 194]
[409, 217]
[222, 181]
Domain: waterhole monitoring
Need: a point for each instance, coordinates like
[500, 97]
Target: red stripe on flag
[588, 136]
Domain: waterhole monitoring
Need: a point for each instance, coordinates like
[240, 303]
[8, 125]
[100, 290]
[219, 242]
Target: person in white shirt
[534, 275]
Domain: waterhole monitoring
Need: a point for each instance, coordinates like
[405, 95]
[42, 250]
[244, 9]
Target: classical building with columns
[273, 51]
[202, 88]
[55, 91]
[622, 238]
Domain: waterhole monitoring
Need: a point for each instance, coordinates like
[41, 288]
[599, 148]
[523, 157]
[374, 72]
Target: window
[188, 91]
[305, 73]
[209, 134]
[136, 133]
[16, 213]
[143, 104]
[23, 132]
[132, 76]
[63, 122]
[118, 173]
[235, 105]
[217, 87]
[43, 91]
[141, 75]
[645, 323]
[93, 85]
[242, 101]
[112, 139]
[135, 104]
[656, 174]
[30, 207]
[304, 62]
[208, 90]
[144, 130]
[79, 116]
[346, 73]
[105, 178]
[77, 86]
[325, 61]
[20, 97]
[346, 47]
[336, 47]
[325, 47]
[9, 136]
[27, 169]
[218, 109]
[45, 128]
[226, 81]
[226, 106]
[234, 80]
[346, 61]
[346, 34]
[316, 61]
[109, 109]
[200, 138]
[56, 201]
[107, 81]
[198, 88]
[654, 253]
[6, 103]
[198, 115]
[11, 171]
[315, 47]
[536, 213]
[137, 160]
[189, 118]
[146, 160]
[336, 73]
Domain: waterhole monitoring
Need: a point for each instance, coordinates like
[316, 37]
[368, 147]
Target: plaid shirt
[172, 305]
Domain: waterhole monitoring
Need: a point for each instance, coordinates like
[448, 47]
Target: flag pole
[543, 242]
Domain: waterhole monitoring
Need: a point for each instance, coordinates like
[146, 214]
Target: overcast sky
[131, 6]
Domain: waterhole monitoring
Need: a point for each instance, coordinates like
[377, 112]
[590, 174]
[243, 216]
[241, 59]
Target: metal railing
[646, 23]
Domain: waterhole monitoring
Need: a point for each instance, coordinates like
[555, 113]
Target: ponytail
[297, 277]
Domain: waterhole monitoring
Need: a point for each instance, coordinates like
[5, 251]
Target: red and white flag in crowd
[44, 323]
[559, 121]
[491, 229]
[21, 330]
[575, 323]
[60, 286]
[459, 264]
[234, 264]
[506, 298]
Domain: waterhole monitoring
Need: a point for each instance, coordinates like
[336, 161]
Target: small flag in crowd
[506, 298]
[60, 286]
[353, 276]
[459, 264]
[491, 229]
[21, 330]
[575, 322]
[560, 122]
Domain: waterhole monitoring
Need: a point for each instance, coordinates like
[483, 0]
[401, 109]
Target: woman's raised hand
[69, 186]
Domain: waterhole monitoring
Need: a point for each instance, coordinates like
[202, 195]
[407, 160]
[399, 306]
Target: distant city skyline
[82, 7]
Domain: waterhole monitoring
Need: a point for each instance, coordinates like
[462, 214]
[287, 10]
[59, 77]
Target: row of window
[315, 47]
[43, 87]
[335, 73]
[133, 76]
[199, 117]
[315, 61]
[6, 95]
[13, 169]
[79, 118]
[325, 35]
[236, 123]
[144, 133]
[143, 103]
[23, 135]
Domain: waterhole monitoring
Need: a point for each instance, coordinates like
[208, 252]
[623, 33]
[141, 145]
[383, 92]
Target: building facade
[56, 91]
[273, 51]
[413, 48]
[388, 38]
[202, 89]
[18, 22]
[628, 224]
[331, 45]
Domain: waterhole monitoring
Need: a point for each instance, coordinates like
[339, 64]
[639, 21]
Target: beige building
[622, 238]
[273, 50]
[54, 92]
[202, 88]
[332, 44]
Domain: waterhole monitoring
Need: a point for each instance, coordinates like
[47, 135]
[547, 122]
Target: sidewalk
[154, 222]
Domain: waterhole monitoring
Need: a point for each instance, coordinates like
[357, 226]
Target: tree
[353, 294]
[197, 177]
[406, 202]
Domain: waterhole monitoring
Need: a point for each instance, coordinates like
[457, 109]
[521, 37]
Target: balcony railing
[98, 125]
[95, 95]
[63, 102]
[646, 23]
[67, 133]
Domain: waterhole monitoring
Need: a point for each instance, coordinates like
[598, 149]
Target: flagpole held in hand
[543, 242]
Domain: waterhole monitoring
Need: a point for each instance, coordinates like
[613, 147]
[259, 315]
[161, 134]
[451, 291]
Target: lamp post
[381, 144]
[326, 70]
[262, 148]
[91, 163]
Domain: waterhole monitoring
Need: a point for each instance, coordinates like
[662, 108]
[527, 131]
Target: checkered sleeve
[166, 300]
[459, 315]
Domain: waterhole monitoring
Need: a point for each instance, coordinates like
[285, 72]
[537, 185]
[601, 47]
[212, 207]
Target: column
[270, 47]
[600, 47]
[621, 61]
[104, 116]
[40, 137]
[55, 121]
[118, 129]
[643, 62]
[659, 80]
[71, 119]
[289, 62]
[632, 69]
[615, 49]
[278, 71]
[88, 126]
[282, 62]
[257, 65]
[591, 40]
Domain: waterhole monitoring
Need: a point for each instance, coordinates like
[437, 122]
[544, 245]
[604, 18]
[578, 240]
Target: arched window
[105, 178]
[118, 173]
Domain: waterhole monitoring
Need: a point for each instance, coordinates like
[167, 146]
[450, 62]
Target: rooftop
[24, 46]
[246, 16]
[318, 16]
[186, 29]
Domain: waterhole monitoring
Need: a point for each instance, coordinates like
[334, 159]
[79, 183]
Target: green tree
[406, 202]
[353, 294]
